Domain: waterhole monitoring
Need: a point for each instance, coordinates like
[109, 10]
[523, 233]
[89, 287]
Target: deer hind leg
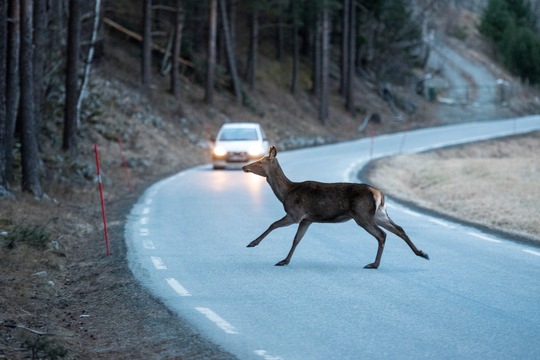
[284, 221]
[373, 229]
[384, 220]
[302, 228]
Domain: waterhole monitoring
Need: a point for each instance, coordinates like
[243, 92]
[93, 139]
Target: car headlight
[220, 151]
[256, 151]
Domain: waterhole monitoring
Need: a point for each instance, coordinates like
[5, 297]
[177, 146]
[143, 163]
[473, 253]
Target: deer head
[262, 167]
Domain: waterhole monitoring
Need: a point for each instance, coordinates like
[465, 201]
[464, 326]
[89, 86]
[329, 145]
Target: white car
[238, 144]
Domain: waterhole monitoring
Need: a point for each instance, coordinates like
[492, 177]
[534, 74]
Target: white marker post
[102, 201]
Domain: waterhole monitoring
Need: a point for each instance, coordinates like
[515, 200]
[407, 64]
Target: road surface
[478, 297]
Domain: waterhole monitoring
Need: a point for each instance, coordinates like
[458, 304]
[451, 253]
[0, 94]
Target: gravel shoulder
[494, 184]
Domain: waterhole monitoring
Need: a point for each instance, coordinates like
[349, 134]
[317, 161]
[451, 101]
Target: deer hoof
[424, 255]
[252, 244]
[371, 266]
[282, 263]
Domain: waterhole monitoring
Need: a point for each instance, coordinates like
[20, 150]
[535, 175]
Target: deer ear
[273, 151]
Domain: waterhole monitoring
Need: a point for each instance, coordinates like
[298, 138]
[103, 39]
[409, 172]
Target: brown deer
[310, 201]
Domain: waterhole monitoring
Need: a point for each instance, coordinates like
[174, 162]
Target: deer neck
[279, 183]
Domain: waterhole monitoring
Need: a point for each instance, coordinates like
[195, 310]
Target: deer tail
[378, 198]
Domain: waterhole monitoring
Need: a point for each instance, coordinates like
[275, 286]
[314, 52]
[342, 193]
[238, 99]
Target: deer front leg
[302, 228]
[284, 221]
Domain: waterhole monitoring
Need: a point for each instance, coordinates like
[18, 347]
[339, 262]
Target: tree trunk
[13, 85]
[296, 48]
[177, 45]
[230, 53]
[89, 58]
[40, 44]
[349, 101]
[3, 84]
[325, 65]
[252, 50]
[316, 68]
[211, 55]
[29, 149]
[280, 33]
[146, 64]
[346, 33]
[72, 67]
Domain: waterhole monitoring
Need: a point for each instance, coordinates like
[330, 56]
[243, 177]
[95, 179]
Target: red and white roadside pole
[102, 201]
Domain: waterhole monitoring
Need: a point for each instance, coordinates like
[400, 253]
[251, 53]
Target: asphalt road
[478, 297]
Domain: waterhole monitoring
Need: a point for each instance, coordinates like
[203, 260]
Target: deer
[310, 202]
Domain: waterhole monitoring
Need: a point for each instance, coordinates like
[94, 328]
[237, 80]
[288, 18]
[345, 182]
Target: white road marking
[148, 201]
[532, 252]
[144, 231]
[483, 237]
[266, 356]
[146, 211]
[441, 222]
[218, 320]
[410, 212]
[144, 220]
[180, 290]
[148, 244]
[158, 263]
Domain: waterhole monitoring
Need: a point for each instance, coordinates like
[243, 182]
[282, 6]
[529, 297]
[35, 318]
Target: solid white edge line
[176, 286]
[483, 237]
[218, 320]
[537, 253]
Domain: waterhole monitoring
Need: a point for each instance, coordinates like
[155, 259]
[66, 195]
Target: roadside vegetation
[513, 27]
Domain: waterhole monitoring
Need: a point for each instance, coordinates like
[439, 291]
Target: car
[238, 144]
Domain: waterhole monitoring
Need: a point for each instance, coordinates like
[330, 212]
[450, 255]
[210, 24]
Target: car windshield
[238, 134]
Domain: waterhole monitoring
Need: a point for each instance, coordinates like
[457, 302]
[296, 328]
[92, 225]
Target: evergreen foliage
[511, 26]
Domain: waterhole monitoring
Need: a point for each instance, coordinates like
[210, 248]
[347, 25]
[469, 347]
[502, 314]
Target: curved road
[478, 297]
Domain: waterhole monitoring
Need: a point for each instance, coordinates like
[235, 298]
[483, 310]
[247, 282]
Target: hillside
[64, 293]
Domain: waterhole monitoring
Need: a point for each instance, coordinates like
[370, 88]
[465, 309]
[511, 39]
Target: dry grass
[493, 183]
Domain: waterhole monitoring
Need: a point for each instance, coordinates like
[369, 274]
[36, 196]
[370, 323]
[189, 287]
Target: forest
[47, 50]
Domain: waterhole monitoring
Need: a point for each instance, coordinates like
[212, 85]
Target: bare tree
[295, 8]
[89, 58]
[351, 60]
[252, 49]
[177, 44]
[231, 60]
[3, 83]
[211, 55]
[72, 67]
[146, 63]
[13, 85]
[325, 64]
[29, 149]
[345, 35]
[40, 40]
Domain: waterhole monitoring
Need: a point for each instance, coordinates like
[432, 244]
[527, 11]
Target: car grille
[237, 157]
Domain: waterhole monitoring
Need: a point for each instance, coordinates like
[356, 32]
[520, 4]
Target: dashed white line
[144, 231]
[532, 252]
[146, 211]
[180, 290]
[442, 223]
[158, 263]
[267, 356]
[148, 201]
[218, 320]
[144, 220]
[483, 237]
[148, 244]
